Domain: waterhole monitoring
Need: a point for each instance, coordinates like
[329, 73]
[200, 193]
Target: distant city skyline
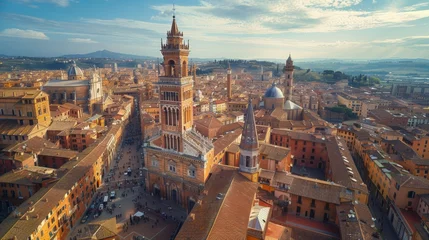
[361, 29]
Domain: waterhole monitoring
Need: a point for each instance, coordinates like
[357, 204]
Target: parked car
[84, 219]
[101, 207]
[112, 194]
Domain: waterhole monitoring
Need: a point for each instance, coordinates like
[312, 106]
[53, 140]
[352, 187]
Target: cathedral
[86, 93]
[276, 108]
[179, 160]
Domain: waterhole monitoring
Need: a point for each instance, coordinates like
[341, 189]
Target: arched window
[184, 69]
[248, 161]
[171, 68]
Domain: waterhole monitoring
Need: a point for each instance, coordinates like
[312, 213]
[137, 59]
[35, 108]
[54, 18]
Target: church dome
[274, 92]
[74, 70]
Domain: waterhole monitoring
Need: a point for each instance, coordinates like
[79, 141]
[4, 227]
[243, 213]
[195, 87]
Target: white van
[106, 199]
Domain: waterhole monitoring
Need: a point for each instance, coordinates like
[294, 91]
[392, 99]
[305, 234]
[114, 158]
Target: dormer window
[155, 163]
[191, 171]
[172, 166]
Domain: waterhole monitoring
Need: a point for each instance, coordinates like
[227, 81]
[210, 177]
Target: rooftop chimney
[192, 216]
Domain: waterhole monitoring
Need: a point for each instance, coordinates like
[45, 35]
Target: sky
[246, 29]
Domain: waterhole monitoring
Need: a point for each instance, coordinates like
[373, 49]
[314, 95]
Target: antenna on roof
[174, 11]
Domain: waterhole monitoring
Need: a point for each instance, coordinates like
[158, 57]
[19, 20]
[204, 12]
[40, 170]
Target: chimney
[192, 217]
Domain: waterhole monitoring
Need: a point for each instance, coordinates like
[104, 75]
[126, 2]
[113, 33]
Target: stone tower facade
[179, 160]
[288, 82]
[229, 83]
[175, 90]
[249, 146]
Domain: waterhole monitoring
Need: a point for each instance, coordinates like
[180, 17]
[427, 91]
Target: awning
[138, 214]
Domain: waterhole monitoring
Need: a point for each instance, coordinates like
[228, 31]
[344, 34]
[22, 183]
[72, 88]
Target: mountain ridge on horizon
[115, 55]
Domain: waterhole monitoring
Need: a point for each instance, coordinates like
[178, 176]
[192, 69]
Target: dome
[74, 70]
[274, 92]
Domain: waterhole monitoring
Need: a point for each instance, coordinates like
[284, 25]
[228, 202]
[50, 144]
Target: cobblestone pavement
[162, 217]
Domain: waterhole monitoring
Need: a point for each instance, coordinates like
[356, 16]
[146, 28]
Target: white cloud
[61, 3]
[82, 40]
[282, 16]
[15, 32]
[416, 6]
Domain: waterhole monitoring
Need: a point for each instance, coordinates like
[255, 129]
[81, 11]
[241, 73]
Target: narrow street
[124, 190]
[374, 203]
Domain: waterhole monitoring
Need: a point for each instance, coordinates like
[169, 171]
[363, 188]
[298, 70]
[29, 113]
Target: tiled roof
[355, 221]
[10, 127]
[22, 228]
[28, 175]
[224, 217]
[224, 142]
[63, 153]
[18, 93]
[35, 145]
[209, 122]
[61, 125]
[273, 152]
[340, 162]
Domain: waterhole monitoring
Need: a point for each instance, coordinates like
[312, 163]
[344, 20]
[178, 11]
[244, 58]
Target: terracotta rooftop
[35, 145]
[20, 93]
[61, 125]
[209, 122]
[63, 153]
[273, 152]
[22, 228]
[224, 142]
[355, 221]
[28, 175]
[224, 209]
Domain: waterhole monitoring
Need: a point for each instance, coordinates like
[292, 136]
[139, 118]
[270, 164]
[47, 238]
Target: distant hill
[107, 54]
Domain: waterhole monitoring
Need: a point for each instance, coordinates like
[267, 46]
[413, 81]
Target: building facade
[178, 162]
[76, 89]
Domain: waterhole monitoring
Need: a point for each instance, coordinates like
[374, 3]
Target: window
[21, 122]
[248, 161]
[191, 171]
[172, 168]
[411, 194]
[155, 163]
[299, 199]
[313, 203]
[29, 114]
[397, 186]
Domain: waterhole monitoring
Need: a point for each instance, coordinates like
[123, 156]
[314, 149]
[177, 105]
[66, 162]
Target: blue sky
[250, 29]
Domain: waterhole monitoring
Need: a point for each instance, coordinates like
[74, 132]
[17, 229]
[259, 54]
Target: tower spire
[249, 139]
[174, 29]
[249, 146]
[228, 82]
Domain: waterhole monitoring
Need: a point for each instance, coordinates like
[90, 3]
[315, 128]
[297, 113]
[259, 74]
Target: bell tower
[288, 82]
[176, 90]
[228, 82]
